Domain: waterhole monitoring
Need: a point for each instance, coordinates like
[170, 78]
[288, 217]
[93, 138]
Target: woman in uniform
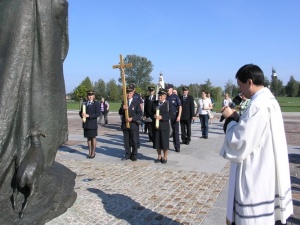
[90, 125]
[161, 133]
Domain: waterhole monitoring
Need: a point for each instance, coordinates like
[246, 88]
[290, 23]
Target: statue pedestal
[55, 195]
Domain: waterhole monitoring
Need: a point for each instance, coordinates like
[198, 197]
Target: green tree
[80, 91]
[139, 73]
[194, 90]
[231, 89]
[216, 93]
[292, 87]
[100, 88]
[277, 87]
[207, 86]
[113, 91]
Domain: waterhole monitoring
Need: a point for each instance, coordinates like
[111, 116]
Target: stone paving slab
[190, 189]
[112, 193]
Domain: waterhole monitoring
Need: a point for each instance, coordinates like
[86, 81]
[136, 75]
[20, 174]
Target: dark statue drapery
[33, 45]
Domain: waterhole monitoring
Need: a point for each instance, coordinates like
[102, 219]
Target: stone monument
[33, 46]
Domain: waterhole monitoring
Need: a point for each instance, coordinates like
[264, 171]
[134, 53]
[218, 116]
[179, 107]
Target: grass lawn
[113, 106]
[287, 104]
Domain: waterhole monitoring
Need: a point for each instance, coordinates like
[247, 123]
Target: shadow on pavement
[114, 139]
[110, 126]
[125, 208]
[294, 158]
[72, 150]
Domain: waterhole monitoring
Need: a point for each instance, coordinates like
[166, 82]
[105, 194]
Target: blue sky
[188, 41]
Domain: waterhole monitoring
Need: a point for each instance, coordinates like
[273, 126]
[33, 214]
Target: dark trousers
[101, 118]
[175, 133]
[130, 143]
[185, 130]
[204, 124]
[150, 128]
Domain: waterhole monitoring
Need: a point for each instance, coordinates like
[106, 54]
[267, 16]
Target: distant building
[274, 75]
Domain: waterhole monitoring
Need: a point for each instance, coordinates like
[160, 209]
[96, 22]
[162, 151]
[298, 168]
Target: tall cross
[122, 66]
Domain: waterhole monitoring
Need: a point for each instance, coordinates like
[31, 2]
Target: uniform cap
[168, 86]
[132, 86]
[90, 92]
[162, 92]
[129, 89]
[150, 88]
[185, 88]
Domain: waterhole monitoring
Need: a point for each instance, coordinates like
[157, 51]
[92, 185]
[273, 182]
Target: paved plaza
[190, 189]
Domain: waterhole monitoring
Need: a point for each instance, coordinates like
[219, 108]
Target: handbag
[210, 114]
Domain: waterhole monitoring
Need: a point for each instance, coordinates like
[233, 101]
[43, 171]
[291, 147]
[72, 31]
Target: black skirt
[90, 133]
[161, 139]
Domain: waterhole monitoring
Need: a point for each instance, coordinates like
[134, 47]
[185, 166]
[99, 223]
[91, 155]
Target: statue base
[55, 195]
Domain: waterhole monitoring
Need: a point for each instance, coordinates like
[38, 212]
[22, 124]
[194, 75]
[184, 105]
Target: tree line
[140, 75]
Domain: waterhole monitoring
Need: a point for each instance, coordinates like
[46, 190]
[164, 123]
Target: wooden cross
[122, 66]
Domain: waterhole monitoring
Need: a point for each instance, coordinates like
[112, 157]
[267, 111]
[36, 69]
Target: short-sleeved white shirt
[203, 103]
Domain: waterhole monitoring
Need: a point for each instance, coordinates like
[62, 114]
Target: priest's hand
[227, 112]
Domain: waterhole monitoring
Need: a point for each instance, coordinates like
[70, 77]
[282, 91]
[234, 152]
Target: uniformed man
[130, 134]
[137, 97]
[187, 115]
[148, 113]
[176, 104]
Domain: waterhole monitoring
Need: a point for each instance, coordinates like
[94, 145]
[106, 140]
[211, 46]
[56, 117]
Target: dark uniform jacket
[93, 110]
[174, 104]
[148, 112]
[188, 108]
[135, 112]
[166, 111]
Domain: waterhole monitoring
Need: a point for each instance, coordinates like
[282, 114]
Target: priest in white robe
[255, 144]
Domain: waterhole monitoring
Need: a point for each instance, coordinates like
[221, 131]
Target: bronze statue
[30, 171]
[33, 46]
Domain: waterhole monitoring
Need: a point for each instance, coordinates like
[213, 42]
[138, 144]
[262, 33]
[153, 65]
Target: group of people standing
[180, 111]
[162, 115]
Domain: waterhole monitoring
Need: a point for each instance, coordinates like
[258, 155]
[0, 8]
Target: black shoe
[187, 142]
[163, 161]
[91, 157]
[157, 160]
[205, 137]
[134, 159]
[125, 158]
[177, 150]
